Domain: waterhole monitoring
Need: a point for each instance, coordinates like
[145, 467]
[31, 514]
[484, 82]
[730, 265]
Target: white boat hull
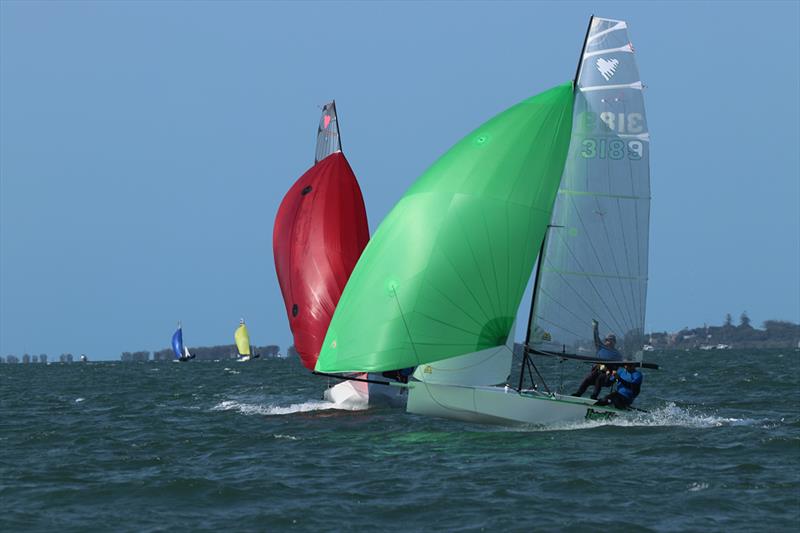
[500, 405]
[358, 394]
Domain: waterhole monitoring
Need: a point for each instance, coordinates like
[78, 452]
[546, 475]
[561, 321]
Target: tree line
[773, 334]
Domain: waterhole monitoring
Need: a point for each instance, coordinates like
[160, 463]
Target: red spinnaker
[320, 232]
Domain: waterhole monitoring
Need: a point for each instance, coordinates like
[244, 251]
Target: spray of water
[272, 410]
[669, 415]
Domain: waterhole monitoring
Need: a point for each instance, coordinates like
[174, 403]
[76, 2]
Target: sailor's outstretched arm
[596, 332]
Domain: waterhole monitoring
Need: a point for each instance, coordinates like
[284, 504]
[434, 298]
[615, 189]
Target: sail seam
[594, 274]
[602, 195]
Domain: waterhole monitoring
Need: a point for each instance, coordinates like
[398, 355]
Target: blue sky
[144, 148]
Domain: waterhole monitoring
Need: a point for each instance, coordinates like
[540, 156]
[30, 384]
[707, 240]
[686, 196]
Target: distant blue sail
[177, 343]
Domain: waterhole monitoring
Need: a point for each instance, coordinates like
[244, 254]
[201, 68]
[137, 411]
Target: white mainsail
[594, 264]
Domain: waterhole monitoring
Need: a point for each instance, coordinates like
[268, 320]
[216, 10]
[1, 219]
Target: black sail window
[306, 190]
[294, 310]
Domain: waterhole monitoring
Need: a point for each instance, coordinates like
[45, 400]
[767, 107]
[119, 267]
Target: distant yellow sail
[242, 339]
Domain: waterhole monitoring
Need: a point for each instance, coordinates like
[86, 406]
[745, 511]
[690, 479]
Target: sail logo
[607, 67]
[326, 121]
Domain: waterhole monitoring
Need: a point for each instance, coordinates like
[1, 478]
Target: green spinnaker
[446, 270]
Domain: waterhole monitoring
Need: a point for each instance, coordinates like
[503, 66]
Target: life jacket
[629, 384]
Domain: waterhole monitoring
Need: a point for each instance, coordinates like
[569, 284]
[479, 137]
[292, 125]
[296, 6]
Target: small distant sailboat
[181, 352]
[84, 359]
[242, 339]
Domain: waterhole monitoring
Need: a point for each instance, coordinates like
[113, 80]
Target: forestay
[595, 254]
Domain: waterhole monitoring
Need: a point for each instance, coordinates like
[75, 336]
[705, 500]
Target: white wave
[79, 400]
[288, 437]
[270, 410]
[231, 371]
[696, 487]
[669, 415]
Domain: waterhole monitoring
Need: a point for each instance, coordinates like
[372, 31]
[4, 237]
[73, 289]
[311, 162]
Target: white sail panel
[594, 265]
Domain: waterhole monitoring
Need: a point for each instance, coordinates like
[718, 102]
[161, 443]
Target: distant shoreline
[775, 334]
[223, 352]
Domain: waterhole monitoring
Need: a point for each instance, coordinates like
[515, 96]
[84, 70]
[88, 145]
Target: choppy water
[207, 446]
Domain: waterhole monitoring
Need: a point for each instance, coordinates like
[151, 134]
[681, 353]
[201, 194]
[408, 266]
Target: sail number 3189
[611, 149]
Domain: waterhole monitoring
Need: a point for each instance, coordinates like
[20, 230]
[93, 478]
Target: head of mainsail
[328, 140]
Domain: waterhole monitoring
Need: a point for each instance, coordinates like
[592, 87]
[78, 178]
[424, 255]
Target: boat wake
[670, 415]
[272, 410]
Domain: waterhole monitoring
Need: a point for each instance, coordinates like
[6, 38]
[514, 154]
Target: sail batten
[635, 85]
[602, 195]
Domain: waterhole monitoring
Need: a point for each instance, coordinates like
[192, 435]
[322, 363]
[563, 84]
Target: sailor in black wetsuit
[601, 374]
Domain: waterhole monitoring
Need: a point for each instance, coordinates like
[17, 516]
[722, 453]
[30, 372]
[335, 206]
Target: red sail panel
[320, 231]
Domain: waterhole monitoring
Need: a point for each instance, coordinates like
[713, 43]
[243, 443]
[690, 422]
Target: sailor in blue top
[607, 349]
[629, 383]
[600, 374]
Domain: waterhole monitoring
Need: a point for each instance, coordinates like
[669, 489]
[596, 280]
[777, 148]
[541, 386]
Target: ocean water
[246, 447]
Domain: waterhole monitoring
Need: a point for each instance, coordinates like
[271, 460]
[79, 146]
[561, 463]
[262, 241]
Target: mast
[536, 280]
[583, 51]
[336, 117]
[525, 359]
